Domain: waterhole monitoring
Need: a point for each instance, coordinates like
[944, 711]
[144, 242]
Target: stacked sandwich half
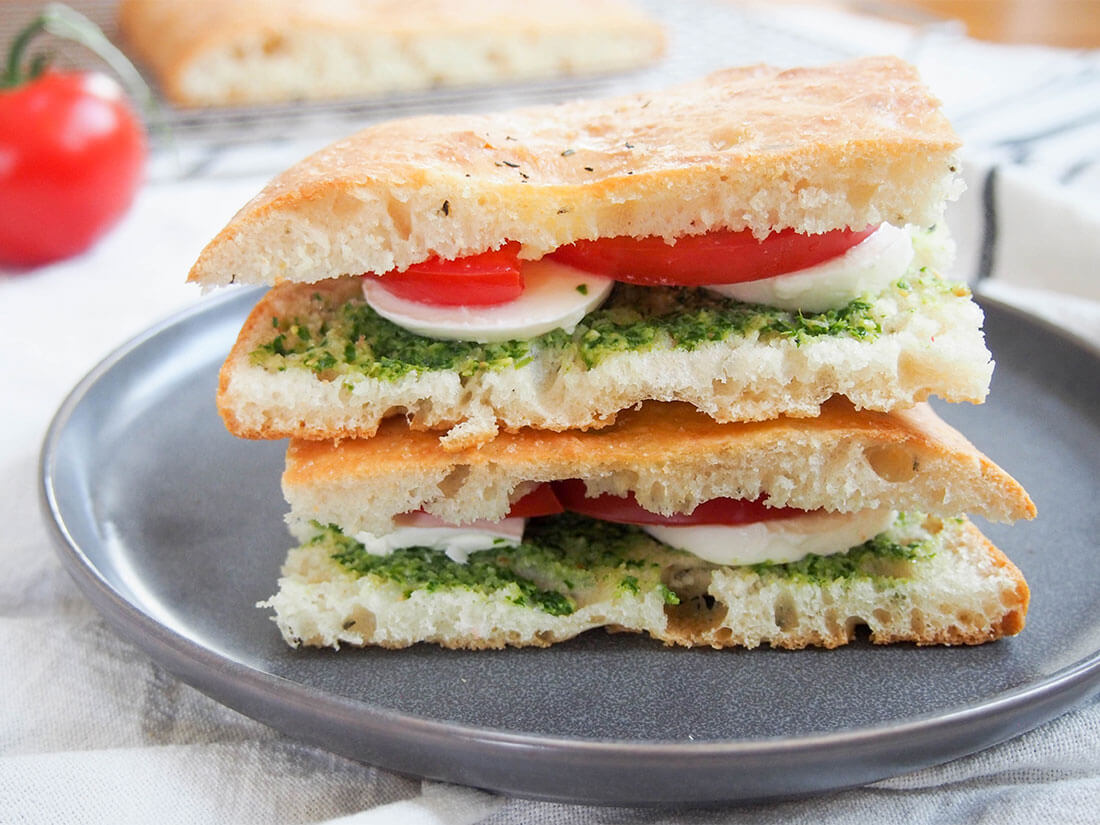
[655, 363]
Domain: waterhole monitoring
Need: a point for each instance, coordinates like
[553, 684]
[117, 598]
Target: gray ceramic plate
[174, 530]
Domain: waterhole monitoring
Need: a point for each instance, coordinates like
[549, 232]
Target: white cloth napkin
[93, 731]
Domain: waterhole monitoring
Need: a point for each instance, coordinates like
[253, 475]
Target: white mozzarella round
[554, 296]
[777, 541]
[458, 542]
[868, 267]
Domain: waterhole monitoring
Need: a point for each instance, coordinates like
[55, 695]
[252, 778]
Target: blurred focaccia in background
[231, 52]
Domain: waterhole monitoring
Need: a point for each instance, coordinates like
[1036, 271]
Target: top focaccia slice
[235, 52]
[849, 145]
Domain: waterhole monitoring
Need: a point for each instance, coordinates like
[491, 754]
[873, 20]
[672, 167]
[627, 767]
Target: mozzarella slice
[777, 541]
[423, 530]
[554, 296]
[868, 267]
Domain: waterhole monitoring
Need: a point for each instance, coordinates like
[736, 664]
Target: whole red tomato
[72, 153]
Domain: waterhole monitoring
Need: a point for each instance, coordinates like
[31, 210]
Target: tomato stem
[12, 74]
[61, 21]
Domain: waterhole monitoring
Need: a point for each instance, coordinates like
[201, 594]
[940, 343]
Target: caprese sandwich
[667, 523]
[752, 244]
[672, 338]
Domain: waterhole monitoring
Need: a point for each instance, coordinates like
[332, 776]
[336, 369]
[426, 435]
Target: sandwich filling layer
[553, 296]
[351, 338]
[774, 540]
[315, 361]
[923, 579]
[495, 296]
[563, 556]
[865, 269]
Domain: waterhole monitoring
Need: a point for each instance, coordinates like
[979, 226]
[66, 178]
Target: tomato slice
[490, 278]
[718, 257]
[626, 510]
[539, 502]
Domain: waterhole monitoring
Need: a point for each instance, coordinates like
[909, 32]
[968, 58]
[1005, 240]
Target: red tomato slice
[718, 257]
[492, 277]
[539, 502]
[626, 510]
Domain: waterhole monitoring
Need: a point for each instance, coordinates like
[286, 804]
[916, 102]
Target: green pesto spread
[567, 558]
[350, 338]
[560, 558]
[881, 557]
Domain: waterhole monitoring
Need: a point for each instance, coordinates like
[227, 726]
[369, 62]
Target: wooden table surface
[1074, 23]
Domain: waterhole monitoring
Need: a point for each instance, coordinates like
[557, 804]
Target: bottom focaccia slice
[925, 580]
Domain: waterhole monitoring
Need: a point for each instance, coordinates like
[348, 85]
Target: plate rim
[240, 685]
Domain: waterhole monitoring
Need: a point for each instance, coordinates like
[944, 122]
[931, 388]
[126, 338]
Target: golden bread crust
[670, 456]
[852, 144]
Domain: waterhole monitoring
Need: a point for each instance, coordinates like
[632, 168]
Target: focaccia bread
[849, 145]
[672, 458]
[226, 52]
